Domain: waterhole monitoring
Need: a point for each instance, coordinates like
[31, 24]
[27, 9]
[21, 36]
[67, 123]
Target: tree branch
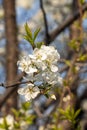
[47, 37]
[67, 23]
[8, 85]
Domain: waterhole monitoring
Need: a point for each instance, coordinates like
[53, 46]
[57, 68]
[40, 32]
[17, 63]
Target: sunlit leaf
[36, 33]
[39, 44]
[77, 113]
[82, 1]
[28, 31]
[26, 106]
[28, 39]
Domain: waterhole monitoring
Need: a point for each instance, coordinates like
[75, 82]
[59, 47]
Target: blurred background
[62, 24]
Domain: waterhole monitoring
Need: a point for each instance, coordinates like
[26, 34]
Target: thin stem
[45, 22]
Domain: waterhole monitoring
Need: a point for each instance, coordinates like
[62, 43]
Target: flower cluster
[41, 68]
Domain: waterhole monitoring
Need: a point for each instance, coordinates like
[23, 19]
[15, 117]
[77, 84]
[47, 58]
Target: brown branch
[8, 85]
[47, 37]
[67, 23]
[11, 49]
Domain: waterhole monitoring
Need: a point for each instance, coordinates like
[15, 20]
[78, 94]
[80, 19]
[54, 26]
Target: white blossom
[23, 125]
[52, 78]
[44, 58]
[30, 91]
[46, 52]
[66, 98]
[41, 68]
[47, 57]
[26, 64]
[53, 96]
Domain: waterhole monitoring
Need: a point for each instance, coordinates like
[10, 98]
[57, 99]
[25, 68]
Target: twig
[7, 85]
[45, 22]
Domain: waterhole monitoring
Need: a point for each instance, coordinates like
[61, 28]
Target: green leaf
[28, 39]
[47, 95]
[82, 58]
[61, 111]
[16, 125]
[6, 126]
[2, 126]
[72, 112]
[39, 44]
[16, 113]
[28, 31]
[70, 115]
[67, 114]
[73, 44]
[67, 62]
[77, 113]
[26, 106]
[29, 119]
[36, 33]
[82, 1]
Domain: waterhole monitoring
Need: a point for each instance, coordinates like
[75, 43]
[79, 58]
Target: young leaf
[26, 106]
[77, 113]
[16, 125]
[6, 126]
[39, 44]
[67, 62]
[28, 39]
[72, 112]
[82, 1]
[82, 58]
[2, 126]
[36, 33]
[28, 31]
[16, 113]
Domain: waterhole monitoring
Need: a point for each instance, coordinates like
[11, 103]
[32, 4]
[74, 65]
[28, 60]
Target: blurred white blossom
[23, 125]
[66, 98]
[9, 120]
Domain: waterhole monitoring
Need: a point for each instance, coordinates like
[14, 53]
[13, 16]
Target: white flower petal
[21, 91]
[54, 68]
[29, 91]
[36, 89]
[53, 97]
[28, 97]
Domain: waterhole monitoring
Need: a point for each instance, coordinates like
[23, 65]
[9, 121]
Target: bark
[11, 49]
